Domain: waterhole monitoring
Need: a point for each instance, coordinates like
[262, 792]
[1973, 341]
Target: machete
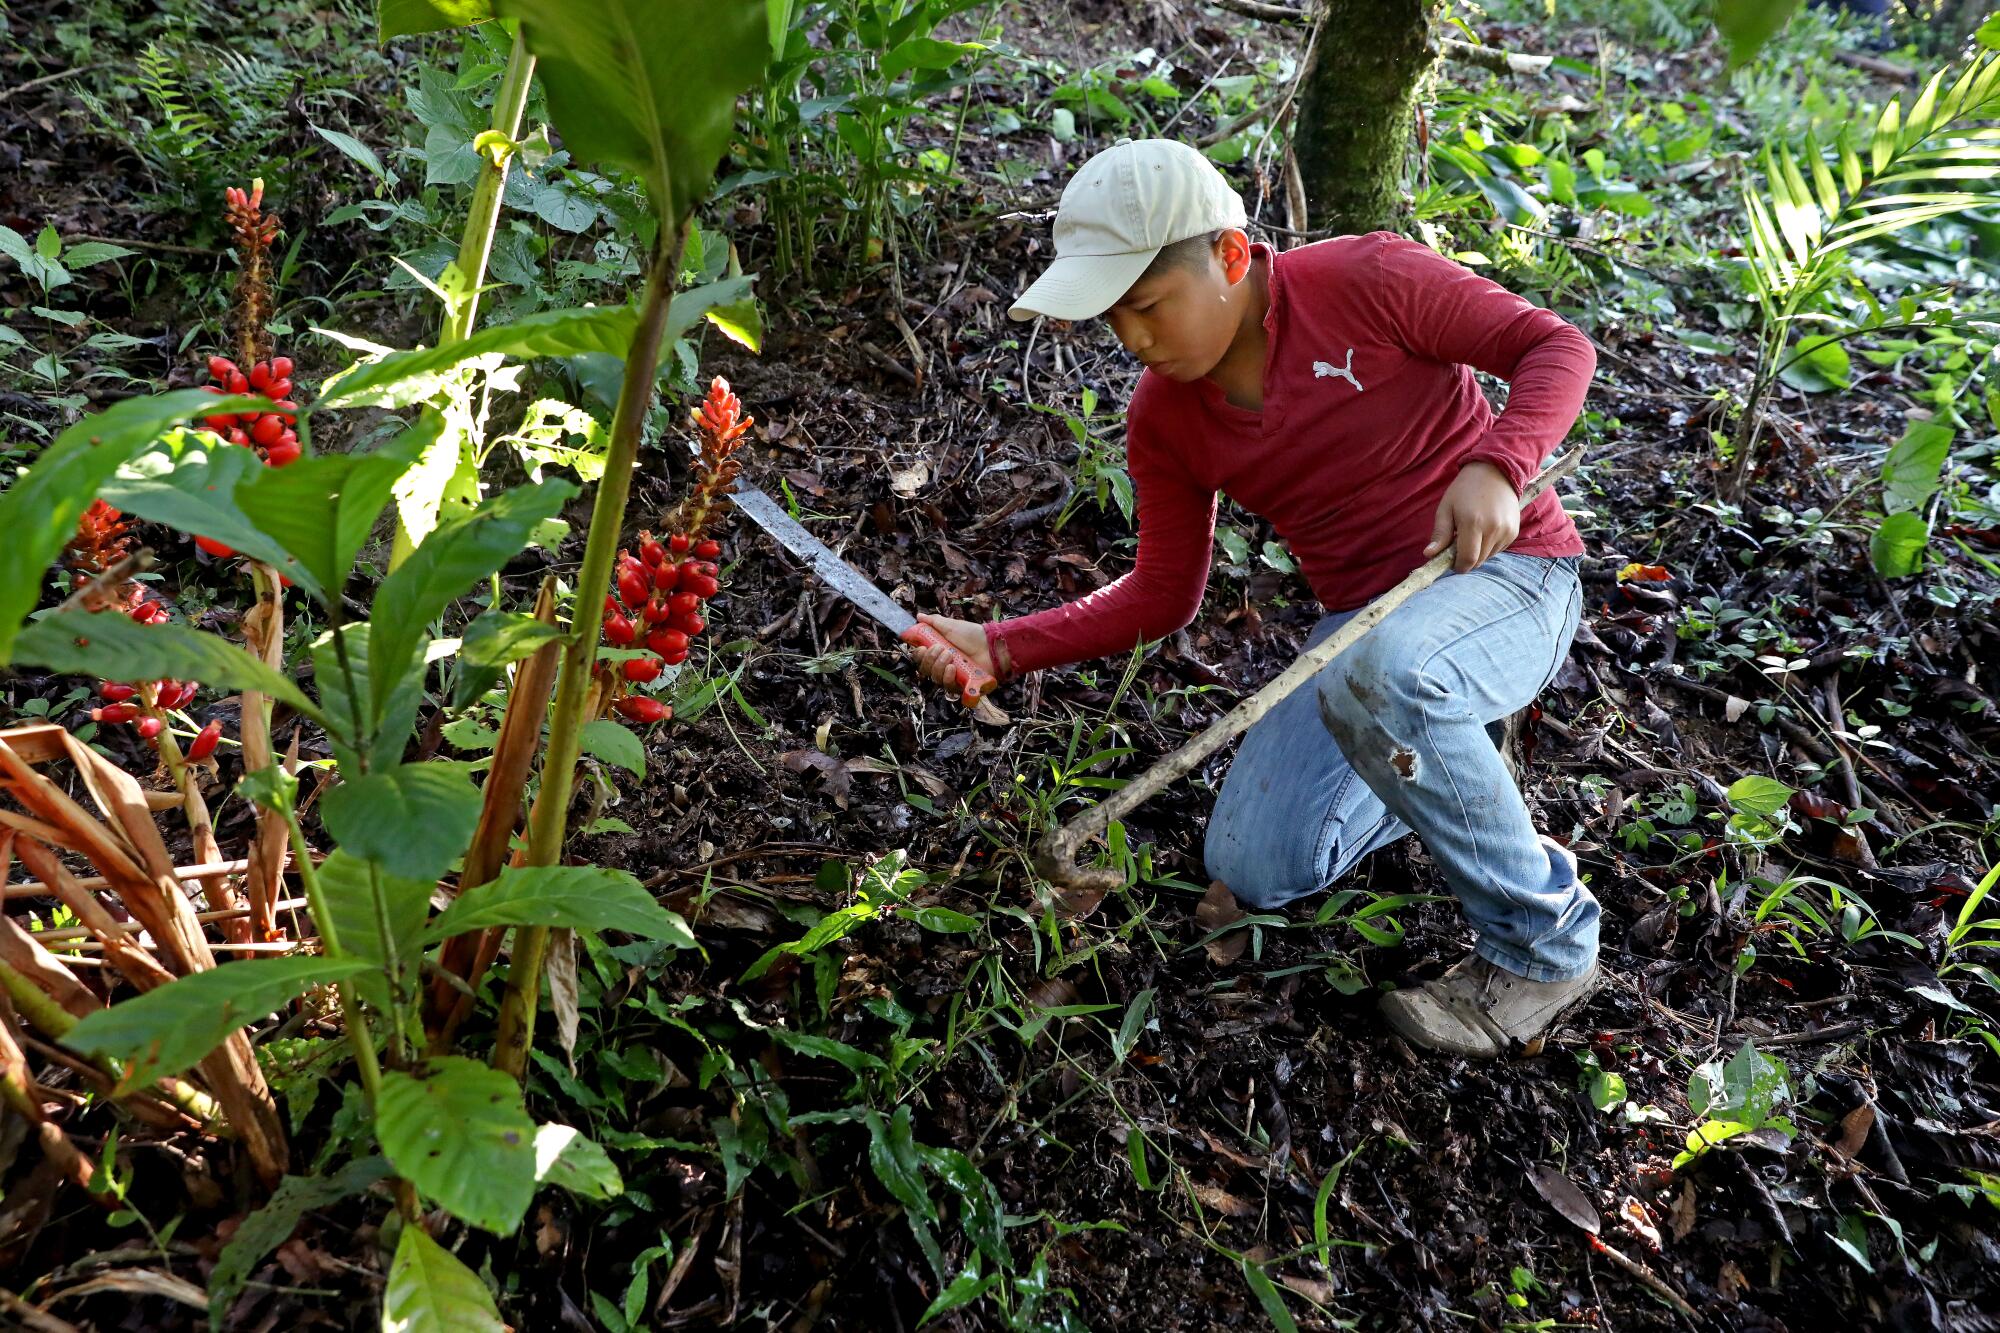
[851, 583]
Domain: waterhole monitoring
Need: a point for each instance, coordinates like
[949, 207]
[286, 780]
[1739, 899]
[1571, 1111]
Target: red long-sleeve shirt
[1370, 410]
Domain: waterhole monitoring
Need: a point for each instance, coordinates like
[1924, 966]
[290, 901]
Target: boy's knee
[1364, 685]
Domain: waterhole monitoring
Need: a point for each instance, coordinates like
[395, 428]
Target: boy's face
[1181, 320]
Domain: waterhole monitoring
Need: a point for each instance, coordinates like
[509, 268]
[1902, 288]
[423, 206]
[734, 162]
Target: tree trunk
[1357, 111]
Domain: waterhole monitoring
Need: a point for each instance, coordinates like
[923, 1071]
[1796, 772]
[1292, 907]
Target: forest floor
[1190, 1119]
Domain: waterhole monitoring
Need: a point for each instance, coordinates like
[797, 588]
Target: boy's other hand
[967, 636]
[1480, 509]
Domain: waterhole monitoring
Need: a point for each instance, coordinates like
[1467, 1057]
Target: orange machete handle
[973, 683]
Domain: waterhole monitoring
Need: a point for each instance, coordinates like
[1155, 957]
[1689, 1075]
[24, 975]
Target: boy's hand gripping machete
[1056, 854]
[851, 583]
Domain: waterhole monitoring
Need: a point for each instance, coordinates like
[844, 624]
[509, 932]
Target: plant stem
[356, 1022]
[482, 220]
[549, 820]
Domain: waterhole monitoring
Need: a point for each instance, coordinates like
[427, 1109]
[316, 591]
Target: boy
[1330, 389]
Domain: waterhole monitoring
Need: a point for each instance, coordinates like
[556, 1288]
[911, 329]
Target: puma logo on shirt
[1322, 370]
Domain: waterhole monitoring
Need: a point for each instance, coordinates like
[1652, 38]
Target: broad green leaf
[323, 508]
[605, 329]
[1897, 547]
[361, 744]
[1759, 796]
[649, 85]
[192, 482]
[167, 1030]
[491, 641]
[356, 150]
[39, 510]
[270, 1226]
[578, 897]
[616, 745]
[404, 18]
[892, 1152]
[94, 252]
[111, 646]
[444, 568]
[1910, 473]
[850, 1058]
[499, 637]
[460, 1133]
[431, 1291]
[925, 53]
[412, 819]
[572, 1160]
[349, 886]
[1746, 25]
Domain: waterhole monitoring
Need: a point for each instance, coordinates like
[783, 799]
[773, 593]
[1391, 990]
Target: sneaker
[1480, 1010]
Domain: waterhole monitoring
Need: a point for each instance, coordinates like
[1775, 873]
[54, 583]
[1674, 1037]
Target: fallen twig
[1055, 856]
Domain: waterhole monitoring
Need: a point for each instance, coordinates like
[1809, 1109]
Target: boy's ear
[1232, 251]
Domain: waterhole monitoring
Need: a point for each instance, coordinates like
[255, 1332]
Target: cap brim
[1081, 286]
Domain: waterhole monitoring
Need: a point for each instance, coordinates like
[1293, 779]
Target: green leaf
[322, 509]
[431, 1291]
[1133, 1026]
[167, 1030]
[579, 897]
[892, 1152]
[1910, 473]
[606, 329]
[190, 482]
[850, 1058]
[1267, 1296]
[1897, 547]
[966, 1288]
[649, 85]
[1747, 24]
[349, 887]
[40, 509]
[461, 1134]
[111, 646]
[265, 1229]
[356, 150]
[572, 1160]
[1759, 796]
[606, 740]
[404, 18]
[442, 569]
[491, 641]
[943, 920]
[926, 53]
[363, 745]
[1988, 35]
[85, 254]
[412, 819]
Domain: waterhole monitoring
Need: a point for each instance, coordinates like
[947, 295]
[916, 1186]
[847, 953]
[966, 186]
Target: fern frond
[1804, 217]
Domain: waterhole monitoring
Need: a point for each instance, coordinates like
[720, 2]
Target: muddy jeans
[1391, 736]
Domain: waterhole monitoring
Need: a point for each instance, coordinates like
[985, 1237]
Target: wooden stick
[186, 874]
[226, 914]
[1497, 59]
[1055, 856]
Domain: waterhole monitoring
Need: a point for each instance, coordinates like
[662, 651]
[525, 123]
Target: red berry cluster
[269, 433]
[663, 588]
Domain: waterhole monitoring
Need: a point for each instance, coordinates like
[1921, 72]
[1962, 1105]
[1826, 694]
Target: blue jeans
[1391, 736]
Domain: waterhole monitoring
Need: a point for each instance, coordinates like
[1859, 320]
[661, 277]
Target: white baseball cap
[1119, 210]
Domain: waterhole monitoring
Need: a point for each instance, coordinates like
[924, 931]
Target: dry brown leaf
[1076, 904]
[563, 990]
[1730, 1282]
[839, 780]
[140, 1282]
[1680, 1218]
[1639, 1222]
[1561, 1193]
[906, 482]
[1053, 993]
[1222, 1201]
[1854, 1128]
[1217, 909]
